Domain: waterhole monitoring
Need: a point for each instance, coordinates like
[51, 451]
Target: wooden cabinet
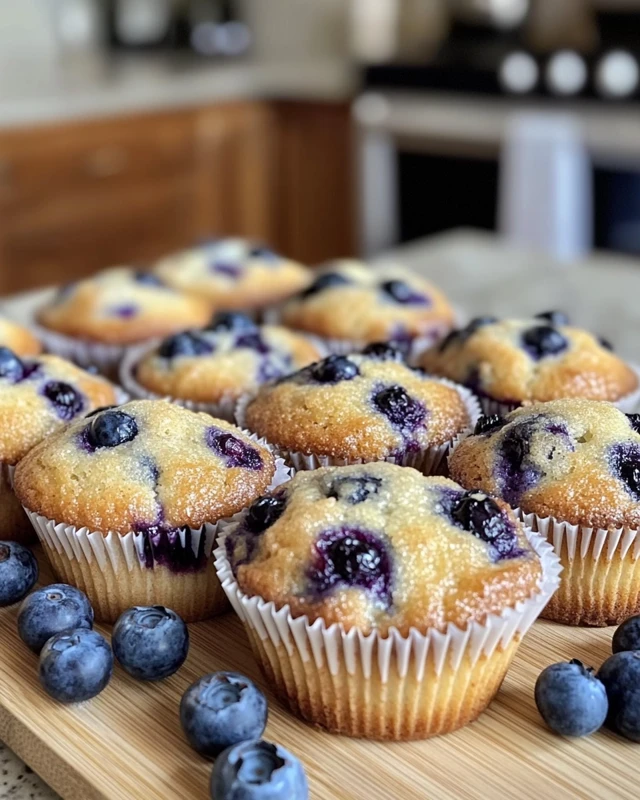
[77, 197]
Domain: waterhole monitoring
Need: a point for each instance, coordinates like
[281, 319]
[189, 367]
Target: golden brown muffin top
[18, 338]
[41, 395]
[575, 460]
[144, 465]
[121, 306]
[358, 407]
[378, 546]
[518, 360]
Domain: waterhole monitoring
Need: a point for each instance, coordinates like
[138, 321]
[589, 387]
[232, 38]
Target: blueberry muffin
[92, 321]
[573, 468]
[210, 369]
[37, 397]
[368, 406]
[18, 338]
[361, 304]
[233, 274]
[337, 547]
[125, 500]
[512, 362]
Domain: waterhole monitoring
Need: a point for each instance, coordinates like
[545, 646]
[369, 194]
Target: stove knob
[617, 74]
[518, 73]
[566, 73]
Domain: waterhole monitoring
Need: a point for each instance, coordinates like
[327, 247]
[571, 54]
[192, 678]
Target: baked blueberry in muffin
[359, 303]
[121, 306]
[521, 361]
[233, 273]
[145, 476]
[232, 357]
[358, 407]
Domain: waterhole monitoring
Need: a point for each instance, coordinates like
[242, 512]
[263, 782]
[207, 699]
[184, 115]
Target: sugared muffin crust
[378, 546]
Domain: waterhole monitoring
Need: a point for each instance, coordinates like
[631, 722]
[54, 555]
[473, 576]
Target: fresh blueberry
[220, 710]
[150, 642]
[399, 408]
[184, 344]
[18, 572]
[148, 279]
[50, 610]
[110, 429]
[634, 421]
[554, 317]
[384, 351]
[542, 341]
[627, 635]
[477, 513]
[258, 770]
[353, 558]
[620, 674]
[328, 280]
[333, 369]
[354, 490]
[75, 665]
[605, 343]
[571, 699]
[66, 400]
[97, 411]
[233, 450]
[10, 365]
[624, 461]
[488, 423]
[402, 293]
[263, 512]
[231, 321]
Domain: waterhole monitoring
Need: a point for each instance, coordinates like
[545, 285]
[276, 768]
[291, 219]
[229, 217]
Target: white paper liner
[223, 409]
[582, 541]
[429, 460]
[334, 647]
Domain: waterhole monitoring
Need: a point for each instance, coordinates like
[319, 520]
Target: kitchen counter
[482, 275]
[33, 91]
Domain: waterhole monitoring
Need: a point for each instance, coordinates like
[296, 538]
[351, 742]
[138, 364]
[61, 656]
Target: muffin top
[147, 465]
[381, 546]
[575, 460]
[233, 273]
[231, 357]
[366, 406]
[361, 303]
[121, 306]
[40, 395]
[517, 361]
[18, 338]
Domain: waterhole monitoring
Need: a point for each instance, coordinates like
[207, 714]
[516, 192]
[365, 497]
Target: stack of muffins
[386, 586]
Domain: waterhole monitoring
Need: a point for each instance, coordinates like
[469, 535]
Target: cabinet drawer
[40, 166]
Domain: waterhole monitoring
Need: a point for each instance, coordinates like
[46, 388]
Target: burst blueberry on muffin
[513, 361]
[121, 306]
[338, 545]
[577, 462]
[233, 274]
[231, 357]
[37, 397]
[18, 339]
[143, 478]
[361, 304]
[364, 407]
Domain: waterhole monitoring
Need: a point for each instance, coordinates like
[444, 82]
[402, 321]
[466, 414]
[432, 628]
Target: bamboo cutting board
[127, 743]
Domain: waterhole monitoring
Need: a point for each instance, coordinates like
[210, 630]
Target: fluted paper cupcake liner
[600, 583]
[223, 408]
[391, 687]
[428, 460]
[118, 571]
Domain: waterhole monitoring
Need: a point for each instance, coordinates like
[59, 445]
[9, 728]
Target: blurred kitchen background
[325, 128]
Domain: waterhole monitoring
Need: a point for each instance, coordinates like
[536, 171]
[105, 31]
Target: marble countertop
[481, 275]
[41, 91]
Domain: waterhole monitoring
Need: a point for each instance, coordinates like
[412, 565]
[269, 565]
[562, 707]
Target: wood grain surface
[127, 743]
